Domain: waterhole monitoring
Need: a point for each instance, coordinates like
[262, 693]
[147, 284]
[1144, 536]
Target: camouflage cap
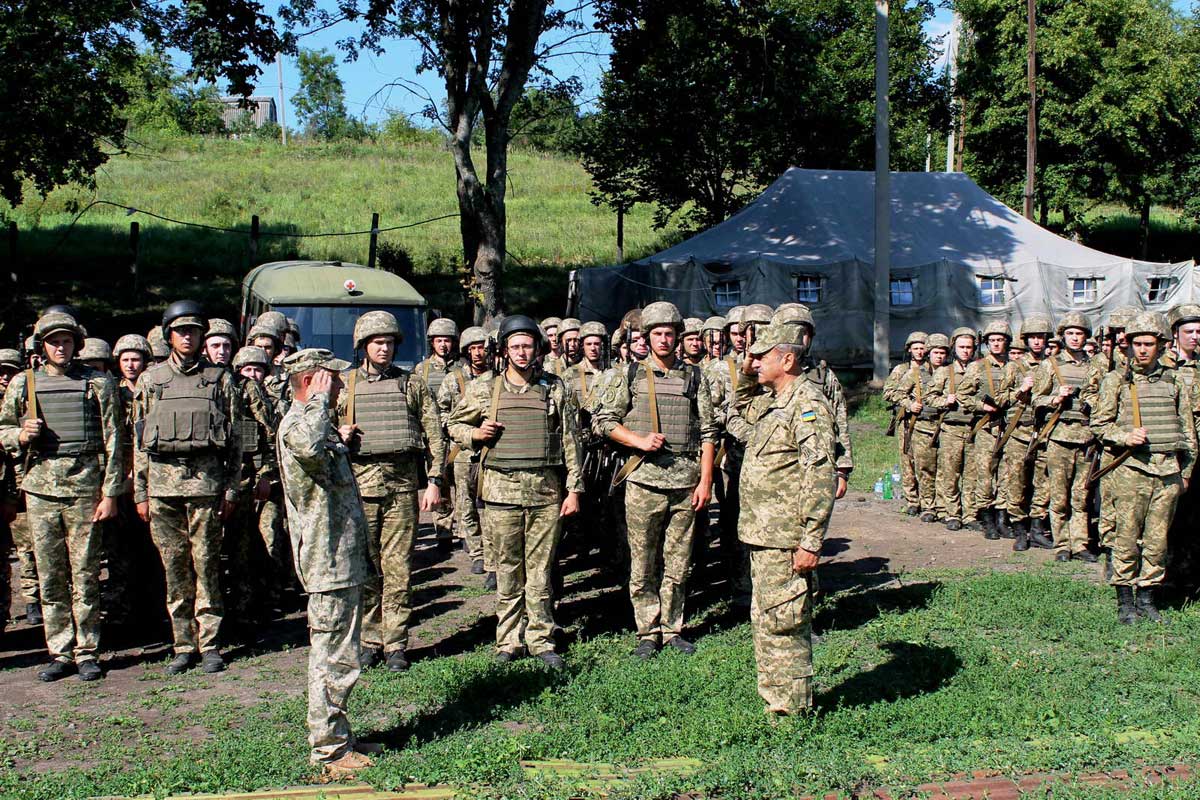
[768, 337]
[916, 337]
[757, 314]
[56, 321]
[1148, 322]
[187, 321]
[11, 358]
[132, 342]
[94, 350]
[715, 324]
[938, 340]
[251, 355]
[1183, 314]
[692, 326]
[221, 327]
[794, 314]
[311, 358]
[593, 329]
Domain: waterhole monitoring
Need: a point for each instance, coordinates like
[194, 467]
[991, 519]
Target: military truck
[327, 297]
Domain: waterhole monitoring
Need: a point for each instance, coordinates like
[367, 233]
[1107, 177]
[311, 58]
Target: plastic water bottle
[895, 475]
[887, 486]
[879, 489]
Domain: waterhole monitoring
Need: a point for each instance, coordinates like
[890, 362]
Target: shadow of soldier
[856, 608]
[912, 669]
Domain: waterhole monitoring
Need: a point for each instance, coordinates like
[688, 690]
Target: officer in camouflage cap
[220, 342]
[96, 354]
[789, 482]
[905, 380]
[1028, 492]
[662, 410]
[955, 395]
[1145, 420]
[388, 415]
[524, 424]
[63, 421]
[442, 334]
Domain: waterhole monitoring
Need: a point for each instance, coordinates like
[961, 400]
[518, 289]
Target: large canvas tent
[958, 257]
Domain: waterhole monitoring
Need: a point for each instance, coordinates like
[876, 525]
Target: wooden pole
[15, 275]
[620, 234]
[1031, 115]
[282, 112]
[883, 211]
[374, 241]
[254, 240]
[134, 249]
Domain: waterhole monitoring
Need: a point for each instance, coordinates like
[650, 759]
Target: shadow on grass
[850, 611]
[913, 669]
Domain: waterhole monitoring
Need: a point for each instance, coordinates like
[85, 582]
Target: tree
[706, 100]
[321, 101]
[163, 100]
[485, 52]
[548, 119]
[63, 63]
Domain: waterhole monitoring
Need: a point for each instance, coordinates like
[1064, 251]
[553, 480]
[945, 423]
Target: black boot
[1125, 610]
[1145, 604]
[1107, 576]
[987, 519]
[33, 613]
[1038, 536]
[1003, 525]
[1021, 542]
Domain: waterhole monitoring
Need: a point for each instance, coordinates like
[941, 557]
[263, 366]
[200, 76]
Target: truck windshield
[332, 327]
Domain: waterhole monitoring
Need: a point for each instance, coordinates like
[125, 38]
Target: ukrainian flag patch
[808, 416]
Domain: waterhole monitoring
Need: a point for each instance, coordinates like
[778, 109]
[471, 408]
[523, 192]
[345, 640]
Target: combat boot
[1125, 610]
[397, 661]
[54, 670]
[928, 516]
[489, 582]
[646, 649]
[1021, 537]
[477, 566]
[552, 660]
[89, 670]
[1003, 525]
[33, 613]
[987, 520]
[953, 525]
[1037, 534]
[1145, 604]
[212, 662]
[181, 663]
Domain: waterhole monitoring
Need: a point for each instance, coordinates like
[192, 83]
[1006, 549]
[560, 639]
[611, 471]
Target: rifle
[897, 414]
[31, 411]
[987, 418]
[1043, 435]
[906, 437]
[1136, 408]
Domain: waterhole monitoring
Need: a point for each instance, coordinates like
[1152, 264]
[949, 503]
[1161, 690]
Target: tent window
[1083, 291]
[808, 289]
[1160, 288]
[727, 294]
[992, 292]
[903, 291]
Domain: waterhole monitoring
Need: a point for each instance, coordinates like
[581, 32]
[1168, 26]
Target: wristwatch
[435, 481]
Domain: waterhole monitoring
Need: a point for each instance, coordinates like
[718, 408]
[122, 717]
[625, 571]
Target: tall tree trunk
[1144, 228]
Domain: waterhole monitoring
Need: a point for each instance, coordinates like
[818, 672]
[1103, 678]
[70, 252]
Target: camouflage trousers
[781, 617]
[955, 472]
[988, 493]
[479, 545]
[1145, 505]
[1067, 467]
[525, 539]
[659, 523]
[66, 544]
[250, 566]
[1106, 524]
[387, 598]
[135, 575]
[925, 460]
[27, 577]
[187, 533]
[734, 556]
[910, 488]
[1028, 492]
[334, 629]
[443, 517]
[6, 548]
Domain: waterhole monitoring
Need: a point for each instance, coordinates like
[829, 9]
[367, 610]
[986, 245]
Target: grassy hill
[301, 189]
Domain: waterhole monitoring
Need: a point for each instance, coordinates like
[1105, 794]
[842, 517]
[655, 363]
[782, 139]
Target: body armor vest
[247, 429]
[432, 376]
[71, 414]
[678, 419]
[925, 378]
[1073, 374]
[382, 414]
[1156, 401]
[956, 415]
[186, 416]
[530, 439]
[1028, 416]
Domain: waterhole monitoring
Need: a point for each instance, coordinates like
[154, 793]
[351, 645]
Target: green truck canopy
[289, 283]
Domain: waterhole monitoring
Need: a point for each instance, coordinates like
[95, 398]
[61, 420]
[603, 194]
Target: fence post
[374, 241]
[134, 247]
[254, 240]
[15, 275]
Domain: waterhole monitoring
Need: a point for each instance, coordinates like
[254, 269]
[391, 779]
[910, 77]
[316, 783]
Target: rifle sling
[493, 410]
[636, 459]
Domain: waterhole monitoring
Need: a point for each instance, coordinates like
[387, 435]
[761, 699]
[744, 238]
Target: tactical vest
[71, 414]
[381, 412]
[433, 377]
[186, 415]
[530, 439]
[247, 429]
[1156, 401]
[928, 412]
[817, 374]
[1028, 416]
[956, 415]
[1073, 374]
[678, 418]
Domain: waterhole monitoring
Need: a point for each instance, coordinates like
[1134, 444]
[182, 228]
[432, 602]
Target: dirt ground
[869, 544]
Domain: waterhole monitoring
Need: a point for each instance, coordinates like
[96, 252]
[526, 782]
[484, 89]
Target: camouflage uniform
[908, 386]
[433, 372]
[522, 494]
[955, 471]
[987, 373]
[329, 545]
[723, 377]
[466, 473]
[250, 556]
[185, 488]
[67, 476]
[897, 391]
[8, 500]
[1066, 451]
[388, 478]
[1028, 494]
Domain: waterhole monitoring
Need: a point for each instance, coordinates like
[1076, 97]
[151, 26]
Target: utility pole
[952, 73]
[883, 206]
[1031, 120]
[282, 113]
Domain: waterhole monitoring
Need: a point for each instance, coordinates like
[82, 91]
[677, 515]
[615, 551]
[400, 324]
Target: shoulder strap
[652, 400]
[493, 409]
[916, 374]
[1054, 368]
[953, 379]
[583, 387]
[462, 382]
[350, 384]
[31, 404]
[425, 377]
[732, 371]
[991, 382]
[1135, 406]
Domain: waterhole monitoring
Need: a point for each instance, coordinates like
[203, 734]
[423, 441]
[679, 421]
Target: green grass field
[915, 681]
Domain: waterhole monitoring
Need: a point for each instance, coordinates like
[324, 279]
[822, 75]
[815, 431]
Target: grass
[874, 452]
[945, 673]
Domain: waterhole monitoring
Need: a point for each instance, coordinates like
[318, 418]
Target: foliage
[707, 101]
[398, 128]
[548, 119]
[164, 101]
[63, 63]
[321, 101]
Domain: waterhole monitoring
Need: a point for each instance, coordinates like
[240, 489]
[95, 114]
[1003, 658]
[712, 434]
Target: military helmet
[472, 335]
[997, 327]
[132, 342]
[1148, 322]
[442, 326]
[659, 314]
[519, 323]
[251, 355]
[714, 324]
[1035, 324]
[632, 320]
[30, 344]
[593, 329]
[916, 337]
[259, 329]
[376, 323]
[53, 322]
[794, 314]
[1074, 319]
[938, 340]
[756, 314]
[183, 313]
[692, 326]
[158, 346]
[94, 350]
[733, 317]
[1182, 314]
[221, 327]
[274, 320]
[568, 324]
[1121, 316]
[550, 322]
[964, 331]
[11, 358]
[63, 308]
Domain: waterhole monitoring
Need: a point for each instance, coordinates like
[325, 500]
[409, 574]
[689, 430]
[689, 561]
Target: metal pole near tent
[883, 212]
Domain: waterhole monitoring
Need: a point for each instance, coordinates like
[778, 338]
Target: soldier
[550, 326]
[187, 463]
[388, 415]
[329, 543]
[63, 419]
[662, 410]
[1028, 493]
[712, 333]
[268, 333]
[8, 512]
[96, 354]
[220, 341]
[722, 376]
[953, 394]
[11, 363]
[1183, 554]
[291, 337]
[568, 346]
[1185, 331]
[443, 336]
[263, 335]
[754, 316]
[926, 427]
[898, 393]
[474, 344]
[789, 485]
[987, 373]
[523, 421]
[1058, 390]
[691, 346]
[1144, 419]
